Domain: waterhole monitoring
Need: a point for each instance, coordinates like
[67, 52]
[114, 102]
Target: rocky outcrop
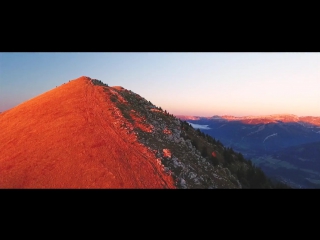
[177, 155]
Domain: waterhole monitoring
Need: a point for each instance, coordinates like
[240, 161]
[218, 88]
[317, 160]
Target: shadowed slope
[69, 138]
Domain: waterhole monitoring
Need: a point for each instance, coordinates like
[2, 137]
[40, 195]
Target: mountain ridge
[86, 134]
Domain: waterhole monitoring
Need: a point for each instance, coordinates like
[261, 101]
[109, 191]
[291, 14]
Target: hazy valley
[286, 147]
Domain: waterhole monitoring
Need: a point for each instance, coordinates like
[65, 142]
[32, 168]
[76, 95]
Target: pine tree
[204, 152]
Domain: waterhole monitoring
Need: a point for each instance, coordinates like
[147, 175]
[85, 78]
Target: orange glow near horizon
[265, 119]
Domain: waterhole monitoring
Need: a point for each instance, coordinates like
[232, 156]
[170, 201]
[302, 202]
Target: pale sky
[198, 84]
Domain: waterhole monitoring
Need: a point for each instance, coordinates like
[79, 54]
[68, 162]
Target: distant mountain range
[274, 118]
[285, 146]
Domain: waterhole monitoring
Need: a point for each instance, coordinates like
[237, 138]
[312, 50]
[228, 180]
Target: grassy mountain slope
[86, 134]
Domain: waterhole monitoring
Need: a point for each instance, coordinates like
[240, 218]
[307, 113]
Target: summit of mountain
[71, 137]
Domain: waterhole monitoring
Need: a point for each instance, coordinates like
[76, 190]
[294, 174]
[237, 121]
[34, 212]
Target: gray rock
[183, 183]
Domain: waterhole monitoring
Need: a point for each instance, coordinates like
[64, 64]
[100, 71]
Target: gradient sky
[199, 84]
